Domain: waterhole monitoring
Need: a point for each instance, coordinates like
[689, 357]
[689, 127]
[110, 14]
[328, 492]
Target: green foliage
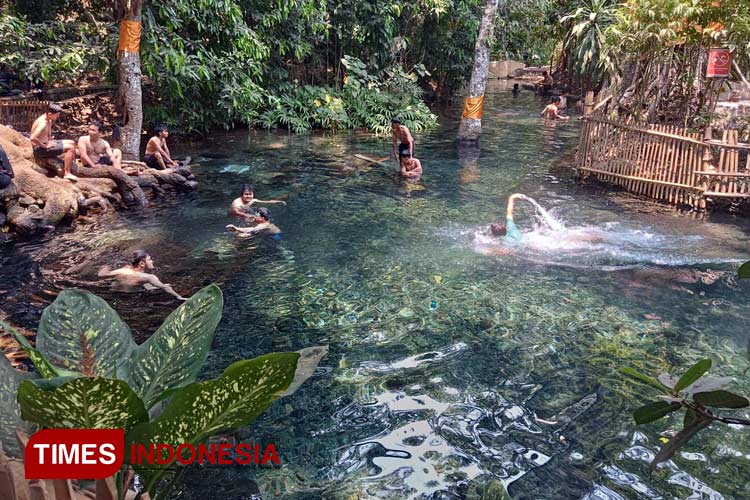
[366, 101]
[164, 367]
[744, 270]
[82, 333]
[695, 392]
[82, 403]
[10, 413]
[54, 51]
[589, 56]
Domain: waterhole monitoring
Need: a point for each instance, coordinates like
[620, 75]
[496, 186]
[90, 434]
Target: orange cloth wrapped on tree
[473, 108]
[130, 36]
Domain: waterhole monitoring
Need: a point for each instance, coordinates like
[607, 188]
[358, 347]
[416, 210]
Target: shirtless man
[95, 151]
[45, 145]
[157, 153]
[411, 168]
[242, 207]
[552, 112]
[402, 136]
[135, 275]
[264, 225]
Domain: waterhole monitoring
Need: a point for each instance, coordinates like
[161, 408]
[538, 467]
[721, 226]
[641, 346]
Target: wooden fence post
[588, 103]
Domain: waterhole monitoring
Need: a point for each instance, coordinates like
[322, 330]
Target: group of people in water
[92, 149]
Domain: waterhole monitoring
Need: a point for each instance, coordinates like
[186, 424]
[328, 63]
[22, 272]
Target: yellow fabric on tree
[473, 108]
[130, 36]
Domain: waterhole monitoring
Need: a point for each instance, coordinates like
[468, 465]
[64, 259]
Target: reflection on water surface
[447, 368]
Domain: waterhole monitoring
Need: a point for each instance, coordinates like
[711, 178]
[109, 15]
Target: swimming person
[508, 230]
[135, 275]
[401, 135]
[264, 225]
[516, 90]
[242, 207]
[552, 111]
[411, 168]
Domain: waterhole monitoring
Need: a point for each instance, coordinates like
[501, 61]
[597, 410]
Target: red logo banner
[719, 63]
[74, 453]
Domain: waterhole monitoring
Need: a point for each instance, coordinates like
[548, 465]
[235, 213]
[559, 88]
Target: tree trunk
[471, 120]
[131, 96]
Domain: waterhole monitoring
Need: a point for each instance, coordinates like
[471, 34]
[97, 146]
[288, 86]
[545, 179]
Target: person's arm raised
[270, 201]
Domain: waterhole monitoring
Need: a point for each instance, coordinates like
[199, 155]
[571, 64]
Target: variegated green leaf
[173, 356]
[10, 412]
[41, 364]
[82, 333]
[82, 403]
[244, 391]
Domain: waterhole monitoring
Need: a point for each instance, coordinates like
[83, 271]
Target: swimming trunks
[511, 231]
[276, 236]
[56, 150]
[151, 161]
[403, 148]
[104, 160]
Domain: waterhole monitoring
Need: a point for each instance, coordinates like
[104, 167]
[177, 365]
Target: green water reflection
[448, 368]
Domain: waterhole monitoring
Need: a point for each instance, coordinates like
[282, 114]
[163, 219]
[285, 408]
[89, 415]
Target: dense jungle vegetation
[342, 64]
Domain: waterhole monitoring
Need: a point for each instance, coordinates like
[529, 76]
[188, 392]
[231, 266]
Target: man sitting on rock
[157, 153]
[45, 145]
[95, 151]
[6, 170]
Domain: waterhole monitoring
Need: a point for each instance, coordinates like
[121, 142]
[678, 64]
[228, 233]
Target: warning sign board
[719, 63]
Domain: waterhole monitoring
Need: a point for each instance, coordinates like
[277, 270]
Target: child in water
[264, 225]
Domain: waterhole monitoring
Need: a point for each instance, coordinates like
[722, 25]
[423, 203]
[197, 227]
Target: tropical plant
[700, 395]
[92, 375]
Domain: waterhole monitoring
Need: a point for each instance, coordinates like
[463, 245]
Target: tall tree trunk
[471, 120]
[129, 62]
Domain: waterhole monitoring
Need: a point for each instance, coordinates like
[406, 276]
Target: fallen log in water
[38, 198]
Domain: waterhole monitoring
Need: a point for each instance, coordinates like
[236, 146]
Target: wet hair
[247, 187]
[556, 99]
[138, 257]
[99, 125]
[515, 85]
[544, 73]
[396, 120]
[159, 129]
[54, 108]
[265, 213]
[405, 154]
[498, 229]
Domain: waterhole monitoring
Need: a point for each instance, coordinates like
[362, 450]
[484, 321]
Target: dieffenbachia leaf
[721, 399]
[173, 356]
[10, 412]
[694, 373]
[42, 365]
[693, 424]
[82, 333]
[244, 391]
[706, 384]
[654, 411]
[82, 403]
[744, 270]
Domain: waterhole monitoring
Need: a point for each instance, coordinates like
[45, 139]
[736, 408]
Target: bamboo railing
[665, 162]
[20, 115]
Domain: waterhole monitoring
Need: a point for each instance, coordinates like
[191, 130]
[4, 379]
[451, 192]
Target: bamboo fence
[20, 115]
[665, 162]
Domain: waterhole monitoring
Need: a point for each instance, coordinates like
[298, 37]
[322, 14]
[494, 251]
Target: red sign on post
[719, 63]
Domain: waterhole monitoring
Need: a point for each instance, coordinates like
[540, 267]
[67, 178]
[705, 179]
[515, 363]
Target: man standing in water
[45, 145]
[403, 142]
[552, 111]
[95, 151]
[242, 207]
[135, 275]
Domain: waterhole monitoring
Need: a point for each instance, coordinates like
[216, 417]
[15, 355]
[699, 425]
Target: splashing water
[545, 216]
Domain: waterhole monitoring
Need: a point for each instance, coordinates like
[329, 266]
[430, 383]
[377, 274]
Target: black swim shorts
[151, 162]
[403, 149]
[56, 150]
[104, 160]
